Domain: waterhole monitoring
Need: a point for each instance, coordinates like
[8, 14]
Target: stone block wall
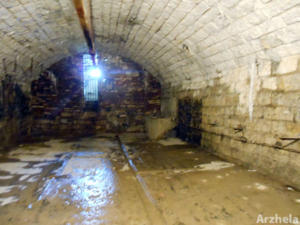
[126, 95]
[244, 115]
[179, 40]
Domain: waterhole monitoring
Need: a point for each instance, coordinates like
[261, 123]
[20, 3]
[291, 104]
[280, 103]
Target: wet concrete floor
[95, 181]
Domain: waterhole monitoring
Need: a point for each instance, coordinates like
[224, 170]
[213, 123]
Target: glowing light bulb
[95, 72]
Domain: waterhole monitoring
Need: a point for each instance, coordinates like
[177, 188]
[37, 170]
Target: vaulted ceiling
[176, 40]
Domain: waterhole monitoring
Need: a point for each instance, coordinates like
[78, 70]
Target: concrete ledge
[157, 127]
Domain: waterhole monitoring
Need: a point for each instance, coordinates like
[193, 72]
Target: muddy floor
[97, 181]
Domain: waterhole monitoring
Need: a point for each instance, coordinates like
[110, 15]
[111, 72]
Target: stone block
[270, 83]
[278, 113]
[289, 82]
[260, 125]
[290, 99]
[263, 98]
[288, 65]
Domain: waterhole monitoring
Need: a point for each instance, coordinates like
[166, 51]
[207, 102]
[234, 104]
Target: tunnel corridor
[173, 112]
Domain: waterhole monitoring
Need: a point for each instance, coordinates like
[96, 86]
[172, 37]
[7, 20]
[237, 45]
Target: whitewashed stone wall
[246, 112]
[181, 41]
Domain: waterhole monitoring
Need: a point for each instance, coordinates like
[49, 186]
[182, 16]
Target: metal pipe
[85, 19]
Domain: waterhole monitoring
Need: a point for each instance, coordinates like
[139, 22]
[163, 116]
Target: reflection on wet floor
[86, 182]
[94, 181]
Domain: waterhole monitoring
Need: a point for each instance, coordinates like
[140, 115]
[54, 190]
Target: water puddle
[19, 168]
[8, 200]
[214, 165]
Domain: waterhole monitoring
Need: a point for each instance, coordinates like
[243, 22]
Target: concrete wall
[243, 114]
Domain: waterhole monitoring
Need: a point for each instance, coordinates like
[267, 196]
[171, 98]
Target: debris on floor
[125, 168]
[172, 141]
[215, 165]
[261, 187]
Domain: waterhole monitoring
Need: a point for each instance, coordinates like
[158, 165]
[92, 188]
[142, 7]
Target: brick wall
[127, 95]
[242, 115]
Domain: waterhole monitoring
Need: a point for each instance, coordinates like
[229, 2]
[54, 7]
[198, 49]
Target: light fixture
[95, 72]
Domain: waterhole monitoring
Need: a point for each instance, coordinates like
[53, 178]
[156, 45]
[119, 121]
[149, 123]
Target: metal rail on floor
[159, 214]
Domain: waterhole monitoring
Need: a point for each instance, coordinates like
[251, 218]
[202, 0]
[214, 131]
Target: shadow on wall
[189, 120]
[14, 113]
